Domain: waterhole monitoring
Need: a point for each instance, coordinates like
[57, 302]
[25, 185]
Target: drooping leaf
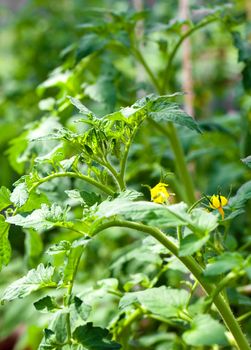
[205, 331]
[163, 301]
[36, 279]
[94, 338]
[5, 248]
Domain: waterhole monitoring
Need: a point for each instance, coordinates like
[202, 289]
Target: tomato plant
[134, 213]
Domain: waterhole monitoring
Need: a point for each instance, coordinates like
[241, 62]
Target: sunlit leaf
[36, 279]
[205, 331]
[223, 263]
[163, 301]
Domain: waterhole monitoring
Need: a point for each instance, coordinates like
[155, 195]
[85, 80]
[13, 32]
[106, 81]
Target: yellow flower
[218, 202]
[159, 193]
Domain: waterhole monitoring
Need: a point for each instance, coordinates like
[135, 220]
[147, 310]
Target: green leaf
[83, 310]
[4, 198]
[55, 337]
[75, 195]
[94, 338]
[5, 248]
[224, 263]
[162, 301]
[17, 146]
[41, 219]
[241, 197]
[146, 212]
[20, 194]
[163, 110]
[243, 46]
[191, 244]
[203, 222]
[34, 201]
[82, 108]
[71, 262]
[205, 331]
[36, 279]
[46, 304]
[49, 341]
[58, 248]
[90, 43]
[90, 198]
[247, 161]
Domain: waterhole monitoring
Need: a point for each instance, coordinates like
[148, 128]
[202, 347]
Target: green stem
[125, 156]
[196, 270]
[68, 328]
[180, 162]
[167, 70]
[137, 53]
[195, 204]
[244, 316]
[179, 233]
[222, 284]
[67, 299]
[122, 335]
[119, 181]
[171, 133]
[75, 175]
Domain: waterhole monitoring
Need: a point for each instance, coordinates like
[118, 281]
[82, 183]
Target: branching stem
[196, 270]
[85, 178]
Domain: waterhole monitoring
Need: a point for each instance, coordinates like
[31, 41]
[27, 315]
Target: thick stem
[181, 164]
[196, 270]
[75, 175]
[118, 180]
[180, 161]
[171, 133]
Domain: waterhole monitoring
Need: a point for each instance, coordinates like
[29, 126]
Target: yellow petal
[217, 201]
[159, 193]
